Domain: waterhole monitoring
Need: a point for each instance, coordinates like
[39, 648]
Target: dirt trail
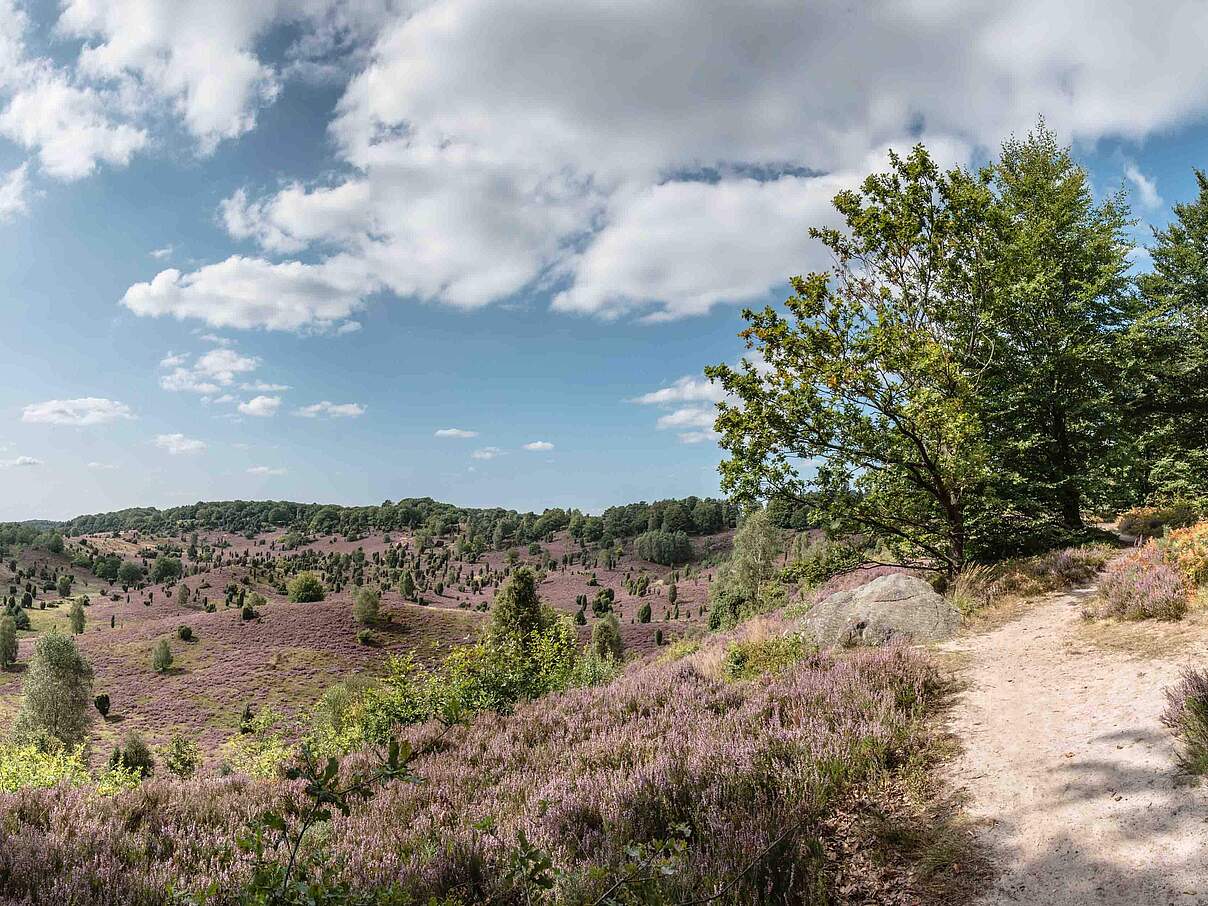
[1068, 771]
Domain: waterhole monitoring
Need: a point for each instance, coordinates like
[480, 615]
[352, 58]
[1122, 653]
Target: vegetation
[161, 656]
[306, 587]
[1186, 715]
[56, 694]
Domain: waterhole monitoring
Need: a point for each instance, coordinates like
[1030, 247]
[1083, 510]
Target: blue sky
[271, 250]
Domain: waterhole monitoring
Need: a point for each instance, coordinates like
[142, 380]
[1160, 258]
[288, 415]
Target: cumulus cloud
[694, 421]
[251, 292]
[102, 466]
[487, 453]
[264, 387]
[454, 432]
[539, 445]
[687, 389]
[161, 253]
[331, 410]
[261, 406]
[211, 371]
[265, 470]
[178, 444]
[89, 410]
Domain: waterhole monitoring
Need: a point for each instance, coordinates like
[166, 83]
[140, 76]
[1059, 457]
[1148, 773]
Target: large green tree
[1059, 307]
[871, 380]
[1167, 360]
[56, 694]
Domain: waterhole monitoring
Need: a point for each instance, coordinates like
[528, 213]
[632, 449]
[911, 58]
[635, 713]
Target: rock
[889, 608]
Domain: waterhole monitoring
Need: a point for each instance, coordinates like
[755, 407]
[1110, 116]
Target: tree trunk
[1068, 493]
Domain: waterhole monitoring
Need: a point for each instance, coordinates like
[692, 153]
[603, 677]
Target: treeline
[981, 372]
[482, 528]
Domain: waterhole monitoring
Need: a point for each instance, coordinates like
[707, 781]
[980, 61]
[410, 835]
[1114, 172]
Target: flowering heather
[1186, 715]
[1142, 585]
[582, 774]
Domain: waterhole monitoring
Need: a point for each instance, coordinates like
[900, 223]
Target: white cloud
[688, 417]
[161, 253]
[14, 192]
[1147, 190]
[454, 432]
[178, 444]
[264, 387]
[687, 389]
[20, 462]
[212, 371]
[697, 437]
[331, 410]
[90, 410]
[216, 340]
[102, 466]
[265, 470]
[261, 406]
[487, 453]
[251, 292]
[539, 445]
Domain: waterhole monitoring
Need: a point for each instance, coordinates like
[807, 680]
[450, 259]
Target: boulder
[889, 608]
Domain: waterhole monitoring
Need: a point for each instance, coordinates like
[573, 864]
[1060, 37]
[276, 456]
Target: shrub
[667, 548]
[644, 611]
[1142, 585]
[102, 704]
[76, 617]
[134, 755]
[164, 569]
[755, 657]
[606, 637]
[40, 767]
[1186, 715]
[182, 757]
[365, 637]
[366, 606]
[816, 561]
[161, 656]
[1153, 521]
[185, 633]
[1187, 549]
[248, 612]
[305, 588]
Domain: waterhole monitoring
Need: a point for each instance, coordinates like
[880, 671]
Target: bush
[1142, 585]
[134, 755]
[366, 606]
[8, 642]
[56, 693]
[1187, 549]
[305, 588]
[756, 657]
[182, 757]
[1153, 521]
[164, 569]
[606, 638]
[185, 633]
[102, 704]
[248, 612]
[816, 561]
[667, 548]
[365, 637]
[644, 612]
[161, 656]
[76, 617]
[1186, 715]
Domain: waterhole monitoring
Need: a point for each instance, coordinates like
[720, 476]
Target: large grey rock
[895, 607]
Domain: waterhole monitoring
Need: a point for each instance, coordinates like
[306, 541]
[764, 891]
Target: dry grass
[1152, 639]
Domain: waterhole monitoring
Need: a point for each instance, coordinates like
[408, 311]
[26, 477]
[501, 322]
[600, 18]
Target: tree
[63, 585]
[606, 637]
[672, 593]
[134, 754]
[182, 757]
[872, 375]
[8, 642]
[76, 617]
[55, 543]
[305, 588]
[644, 612]
[406, 586]
[161, 656]
[1059, 305]
[365, 606]
[740, 588]
[129, 573]
[102, 704]
[164, 569]
[56, 694]
[1167, 360]
[517, 612]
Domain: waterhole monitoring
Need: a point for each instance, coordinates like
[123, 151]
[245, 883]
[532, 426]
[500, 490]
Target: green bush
[606, 638]
[305, 588]
[750, 659]
[161, 656]
[182, 757]
[134, 755]
[1186, 715]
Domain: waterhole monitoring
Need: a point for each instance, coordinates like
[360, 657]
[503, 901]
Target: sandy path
[1068, 771]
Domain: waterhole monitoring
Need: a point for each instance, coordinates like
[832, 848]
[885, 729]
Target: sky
[479, 250]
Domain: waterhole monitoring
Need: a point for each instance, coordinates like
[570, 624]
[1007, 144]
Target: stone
[887, 609]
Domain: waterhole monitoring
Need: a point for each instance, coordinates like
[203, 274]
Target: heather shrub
[1187, 549]
[1186, 715]
[1142, 585]
[751, 658]
[56, 693]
